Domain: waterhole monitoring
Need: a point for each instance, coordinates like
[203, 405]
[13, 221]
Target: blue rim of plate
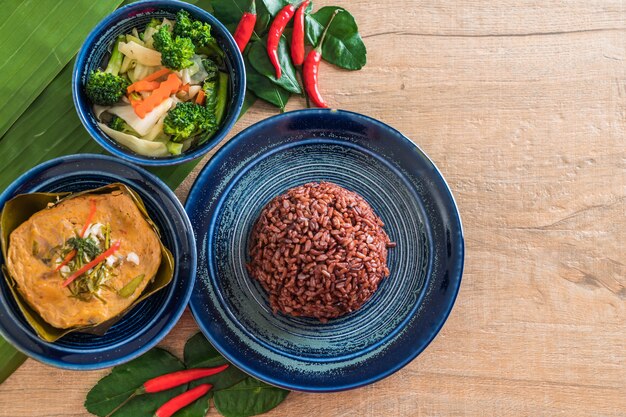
[210, 191]
[172, 299]
[86, 118]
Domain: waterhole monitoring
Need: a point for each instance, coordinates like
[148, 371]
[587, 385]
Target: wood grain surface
[522, 105]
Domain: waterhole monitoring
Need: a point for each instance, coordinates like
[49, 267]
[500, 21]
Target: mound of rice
[318, 250]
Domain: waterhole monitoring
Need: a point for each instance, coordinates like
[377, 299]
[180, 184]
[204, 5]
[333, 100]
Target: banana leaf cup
[19, 209]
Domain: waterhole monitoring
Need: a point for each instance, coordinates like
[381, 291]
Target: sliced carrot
[152, 77]
[200, 97]
[156, 75]
[100, 258]
[184, 88]
[158, 96]
[143, 86]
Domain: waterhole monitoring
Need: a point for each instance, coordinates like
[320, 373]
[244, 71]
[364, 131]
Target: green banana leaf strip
[39, 37]
[10, 359]
[112, 390]
[22, 207]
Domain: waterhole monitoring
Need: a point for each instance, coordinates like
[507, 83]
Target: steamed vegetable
[176, 52]
[143, 147]
[187, 120]
[107, 87]
[142, 126]
[198, 32]
[141, 54]
[171, 89]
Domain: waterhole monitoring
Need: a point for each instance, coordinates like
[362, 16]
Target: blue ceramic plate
[138, 14]
[146, 324]
[406, 190]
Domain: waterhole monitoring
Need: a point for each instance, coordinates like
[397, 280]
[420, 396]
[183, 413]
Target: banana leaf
[19, 209]
[39, 37]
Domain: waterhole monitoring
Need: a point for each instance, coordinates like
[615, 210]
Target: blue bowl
[146, 324]
[405, 189]
[96, 48]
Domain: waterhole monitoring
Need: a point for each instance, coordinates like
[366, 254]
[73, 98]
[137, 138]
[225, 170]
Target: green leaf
[38, 39]
[229, 11]
[260, 61]
[274, 6]
[10, 359]
[115, 388]
[343, 45]
[248, 398]
[264, 89]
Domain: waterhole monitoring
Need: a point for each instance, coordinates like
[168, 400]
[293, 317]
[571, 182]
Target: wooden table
[522, 105]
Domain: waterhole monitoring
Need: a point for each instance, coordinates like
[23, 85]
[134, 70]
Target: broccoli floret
[107, 87]
[198, 32]
[104, 88]
[176, 52]
[188, 120]
[117, 123]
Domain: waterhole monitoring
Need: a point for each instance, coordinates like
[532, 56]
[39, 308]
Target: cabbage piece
[143, 55]
[185, 78]
[127, 64]
[141, 126]
[142, 147]
[148, 37]
[98, 110]
[197, 72]
[142, 71]
[194, 90]
[156, 130]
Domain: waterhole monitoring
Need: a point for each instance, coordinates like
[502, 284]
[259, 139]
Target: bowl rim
[176, 313]
[195, 194]
[238, 71]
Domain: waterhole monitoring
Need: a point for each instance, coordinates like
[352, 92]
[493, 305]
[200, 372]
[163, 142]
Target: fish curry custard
[52, 258]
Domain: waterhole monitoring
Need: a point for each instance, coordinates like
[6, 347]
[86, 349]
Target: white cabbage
[197, 72]
[142, 71]
[156, 130]
[194, 90]
[141, 126]
[143, 55]
[98, 110]
[142, 147]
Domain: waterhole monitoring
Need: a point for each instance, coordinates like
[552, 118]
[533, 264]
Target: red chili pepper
[245, 27]
[297, 37]
[114, 247]
[92, 212]
[276, 31]
[174, 379]
[310, 70]
[172, 406]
